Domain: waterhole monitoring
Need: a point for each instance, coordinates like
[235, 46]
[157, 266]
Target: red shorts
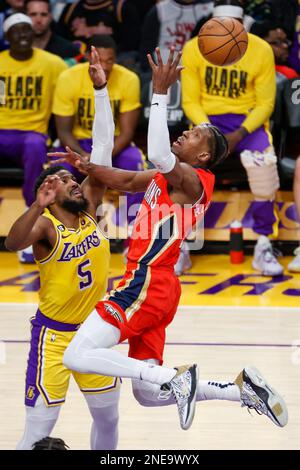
[142, 306]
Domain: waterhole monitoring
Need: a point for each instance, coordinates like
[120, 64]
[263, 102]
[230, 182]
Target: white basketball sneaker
[256, 394]
[184, 389]
[184, 262]
[294, 265]
[264, 259]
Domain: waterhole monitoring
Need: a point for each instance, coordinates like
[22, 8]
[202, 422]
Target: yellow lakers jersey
[74, 275]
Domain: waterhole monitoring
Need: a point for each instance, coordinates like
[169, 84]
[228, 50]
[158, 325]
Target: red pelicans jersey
[161, 225]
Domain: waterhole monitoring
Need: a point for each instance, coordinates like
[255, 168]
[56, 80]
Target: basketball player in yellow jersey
[73, 258]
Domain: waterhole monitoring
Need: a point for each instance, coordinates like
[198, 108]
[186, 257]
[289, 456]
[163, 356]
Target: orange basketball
[222, 40]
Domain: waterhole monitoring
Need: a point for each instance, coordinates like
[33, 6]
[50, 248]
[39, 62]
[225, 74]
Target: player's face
[280, 45]
[40, 16]
[20, 37]
[69, 190]
[191, 145]
[107, 58]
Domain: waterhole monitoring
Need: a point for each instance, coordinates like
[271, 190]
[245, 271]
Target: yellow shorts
[47, 376]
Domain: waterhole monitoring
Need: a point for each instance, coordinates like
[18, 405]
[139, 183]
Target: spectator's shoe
[294, 265]
[184, 262]
[26, 256]
[256, 394]
[264, 258]
[184, 389]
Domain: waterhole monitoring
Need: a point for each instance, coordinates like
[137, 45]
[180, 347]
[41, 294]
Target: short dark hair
[263, 28]
[218, 146]
[101, 40]
[44, 1]
[50, 443]
[52, 170]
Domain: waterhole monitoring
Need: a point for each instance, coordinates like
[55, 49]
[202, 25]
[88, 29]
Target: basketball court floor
[229, 317]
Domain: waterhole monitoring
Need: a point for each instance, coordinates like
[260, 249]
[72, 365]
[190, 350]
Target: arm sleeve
[103, 130]
[190, 81]
[265, 91]
[159, 149]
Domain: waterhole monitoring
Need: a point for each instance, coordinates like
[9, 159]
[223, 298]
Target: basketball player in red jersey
[177, 194]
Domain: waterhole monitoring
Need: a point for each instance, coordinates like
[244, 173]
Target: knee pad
[262, 173]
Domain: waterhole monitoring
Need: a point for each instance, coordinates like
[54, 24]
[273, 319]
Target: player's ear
[203, 157]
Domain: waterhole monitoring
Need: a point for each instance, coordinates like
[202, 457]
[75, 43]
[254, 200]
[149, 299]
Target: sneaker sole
[188, 423]
[275, 403]
[254, 266]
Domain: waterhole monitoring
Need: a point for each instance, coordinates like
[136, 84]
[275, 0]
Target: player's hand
[233, 139]
[48, 190]
[75, 159]
[164, 75]
[96, 71]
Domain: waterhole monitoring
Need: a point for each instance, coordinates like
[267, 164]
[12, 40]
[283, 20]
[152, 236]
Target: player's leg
[250, 389]
[104, 409]
[88, 353]
[40, 421]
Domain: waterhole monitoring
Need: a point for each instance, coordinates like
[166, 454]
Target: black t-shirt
[62, 47]
[81, 20]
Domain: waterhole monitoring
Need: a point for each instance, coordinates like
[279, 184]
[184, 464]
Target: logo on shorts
[113, 312]
[30, 394]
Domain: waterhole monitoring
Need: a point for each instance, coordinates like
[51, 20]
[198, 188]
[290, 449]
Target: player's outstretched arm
[31, 227]
[179, 175]
[122, 180]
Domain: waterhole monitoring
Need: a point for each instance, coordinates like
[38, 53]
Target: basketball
[222, 40]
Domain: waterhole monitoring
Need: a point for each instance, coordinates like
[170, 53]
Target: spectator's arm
[127, 123]
[190, 81]
[64, 128]
[265, 91]
[150, 35]
[129, 111]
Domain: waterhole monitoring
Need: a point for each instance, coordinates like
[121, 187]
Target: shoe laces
[250, 399]
[270, 254]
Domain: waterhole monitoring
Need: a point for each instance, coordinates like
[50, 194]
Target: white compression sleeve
[159, 149]
[103, 130]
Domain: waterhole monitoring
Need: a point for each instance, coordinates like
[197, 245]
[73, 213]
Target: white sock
[208, 390]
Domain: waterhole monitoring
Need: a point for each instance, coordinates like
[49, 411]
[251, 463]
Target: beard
[75, 206]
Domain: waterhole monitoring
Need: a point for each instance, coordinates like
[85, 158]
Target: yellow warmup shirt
[74, 96]
[247, 87]
[29, 89]
[74, 275]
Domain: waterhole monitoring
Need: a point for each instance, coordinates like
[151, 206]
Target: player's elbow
[11, 244]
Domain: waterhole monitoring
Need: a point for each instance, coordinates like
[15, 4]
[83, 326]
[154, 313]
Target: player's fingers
[57, 161]
[177, 59]
[151, 62]
[171, 56]
[158, 55]
[57, 154]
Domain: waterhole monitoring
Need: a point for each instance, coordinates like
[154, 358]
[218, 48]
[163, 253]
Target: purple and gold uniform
[73, 278]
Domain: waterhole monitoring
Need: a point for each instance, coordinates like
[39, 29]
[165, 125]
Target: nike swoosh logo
[66, 236]
[154, 104]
